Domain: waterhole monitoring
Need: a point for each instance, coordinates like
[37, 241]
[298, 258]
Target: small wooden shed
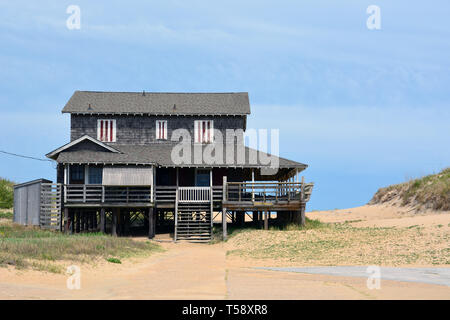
[27, 202]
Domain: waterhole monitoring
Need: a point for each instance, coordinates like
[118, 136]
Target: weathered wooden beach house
[139, 159]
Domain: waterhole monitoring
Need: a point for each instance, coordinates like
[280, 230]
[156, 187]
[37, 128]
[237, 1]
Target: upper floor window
[161, 129]
[106, 130]
[76, 174]
[95, 175]
[203, 131]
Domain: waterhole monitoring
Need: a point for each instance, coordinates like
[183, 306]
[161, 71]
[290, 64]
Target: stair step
[194, 222]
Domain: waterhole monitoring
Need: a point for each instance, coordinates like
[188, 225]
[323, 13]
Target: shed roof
[158, 103]
[41, 180]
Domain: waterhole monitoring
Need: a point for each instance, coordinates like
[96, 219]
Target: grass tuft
[34, 248]
[114, 260]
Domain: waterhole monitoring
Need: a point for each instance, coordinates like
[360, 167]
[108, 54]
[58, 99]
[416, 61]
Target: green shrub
[6, 194]
[113, 260]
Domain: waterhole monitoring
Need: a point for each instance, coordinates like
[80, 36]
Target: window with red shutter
[106, 130]
[203, 131]
[161, 129]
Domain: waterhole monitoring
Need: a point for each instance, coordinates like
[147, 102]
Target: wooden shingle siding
[142, 130]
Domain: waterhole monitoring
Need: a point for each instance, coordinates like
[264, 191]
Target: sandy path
[199, 271]
[203, 271]
[183, 271]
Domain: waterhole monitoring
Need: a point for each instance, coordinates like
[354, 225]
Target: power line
[22, 156]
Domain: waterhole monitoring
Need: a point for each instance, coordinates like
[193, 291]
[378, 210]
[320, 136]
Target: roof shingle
[160, 103]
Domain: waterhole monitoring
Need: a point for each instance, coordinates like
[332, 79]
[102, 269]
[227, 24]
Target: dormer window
[161, 129]
[204, 131]
[106, 130]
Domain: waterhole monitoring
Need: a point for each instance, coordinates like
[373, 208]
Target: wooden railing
[92, 193]
[267, 191]
[194, 194]
[50, 206]
[165, 193]
[217, 192]
[231, 191]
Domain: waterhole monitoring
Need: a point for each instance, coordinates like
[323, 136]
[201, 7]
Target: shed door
[128, 176]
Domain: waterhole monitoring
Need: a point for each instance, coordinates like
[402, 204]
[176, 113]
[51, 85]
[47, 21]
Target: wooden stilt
[78, 223]
[255, 218]
[224, 224]
[240, 218]
[95, 217]
[91, 221]
[260, 219]
[266, 220]
[102, 220]
[114, 223]
[66, 220]
[224, 210]
[126, 222]
[85, 221]
[302, 214]
[72, 222]
[151, 223]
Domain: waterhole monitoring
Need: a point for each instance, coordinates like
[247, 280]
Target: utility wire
[26, 157]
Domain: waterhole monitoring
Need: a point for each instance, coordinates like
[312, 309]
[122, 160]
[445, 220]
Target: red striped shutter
[101, 130]
[111, 137]
[204, 131]
[159, 130]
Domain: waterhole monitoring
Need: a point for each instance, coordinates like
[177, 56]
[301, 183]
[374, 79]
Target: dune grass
[429, 192]
[343, 244]
[34, 248]
[234, 230]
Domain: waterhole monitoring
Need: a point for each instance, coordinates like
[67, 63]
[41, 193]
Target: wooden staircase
[193, 219]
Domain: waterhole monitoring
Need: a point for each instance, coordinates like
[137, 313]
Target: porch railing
[92, 193]
[267, 191]
[194, 194]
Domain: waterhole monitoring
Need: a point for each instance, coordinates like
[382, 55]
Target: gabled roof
[54, 154]
[158, 103]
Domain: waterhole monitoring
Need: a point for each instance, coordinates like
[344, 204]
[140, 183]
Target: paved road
[439, 276]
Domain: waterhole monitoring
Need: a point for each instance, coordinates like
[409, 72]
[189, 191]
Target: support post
[126, 222]
[175, 233]
[72, 222]
[102, 220]
[302, 214]
[78, 216]
[224, 224]
[151, 223]
[114, 222]
[255, 218]
[95, 227]
[266, 220]
[253, 185]
[240, 218]
[224, 210]
[66, 220]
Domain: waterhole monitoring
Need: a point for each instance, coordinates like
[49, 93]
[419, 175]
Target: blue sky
[364, 108]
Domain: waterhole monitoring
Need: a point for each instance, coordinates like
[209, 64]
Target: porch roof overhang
[162, 155]
[55, 153]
